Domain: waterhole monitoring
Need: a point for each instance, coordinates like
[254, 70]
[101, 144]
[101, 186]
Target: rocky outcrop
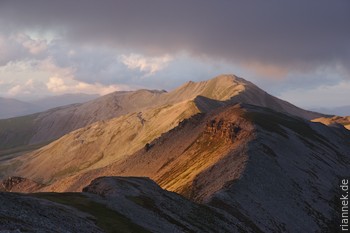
[290, 181]
[18, 184]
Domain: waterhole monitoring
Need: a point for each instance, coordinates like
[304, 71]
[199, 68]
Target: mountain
[12, 108]
[236, 157]
[54, 123]
[18, 128]
[49, 102]
[144, 116]
[335, 121]
[268, 170]
[339, 111]
[101, 143]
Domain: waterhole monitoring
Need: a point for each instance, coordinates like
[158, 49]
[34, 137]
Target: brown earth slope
[101, 143]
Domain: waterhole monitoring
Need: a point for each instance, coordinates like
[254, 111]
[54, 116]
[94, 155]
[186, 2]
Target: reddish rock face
[19, 184]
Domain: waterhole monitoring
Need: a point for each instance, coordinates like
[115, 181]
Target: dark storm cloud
[298, 34]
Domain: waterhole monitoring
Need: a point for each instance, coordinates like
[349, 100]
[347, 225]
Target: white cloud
[60, 86]
[56, 84]
[32, 45]
[15, 90]
[47, 78]
[21, 89]
[63, 81]
[148, 65]
[21, 47]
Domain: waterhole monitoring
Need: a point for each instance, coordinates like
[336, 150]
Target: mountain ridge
[96, 145]
[52, 124]
[229, 159]
[266, 169]
[13, 107]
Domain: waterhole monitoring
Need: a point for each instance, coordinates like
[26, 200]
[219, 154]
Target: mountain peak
[221, 88]
[226, 77]
[222, 79]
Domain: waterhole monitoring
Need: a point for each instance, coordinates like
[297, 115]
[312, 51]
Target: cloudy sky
[295, 49]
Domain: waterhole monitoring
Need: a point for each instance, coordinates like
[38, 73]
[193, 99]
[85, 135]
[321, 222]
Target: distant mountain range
[238, 159]
[62, 100]
[14, 108]
[339, 111]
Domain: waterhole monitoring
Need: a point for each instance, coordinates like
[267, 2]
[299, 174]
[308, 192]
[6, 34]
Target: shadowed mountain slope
[10, 108]
[113, 204]
[22, 213]
[49, 102]
[13, 108]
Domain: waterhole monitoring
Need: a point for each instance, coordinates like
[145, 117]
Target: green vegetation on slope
[108, 220]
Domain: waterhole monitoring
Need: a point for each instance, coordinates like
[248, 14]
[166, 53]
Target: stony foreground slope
[21, 213]
[112, 204]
